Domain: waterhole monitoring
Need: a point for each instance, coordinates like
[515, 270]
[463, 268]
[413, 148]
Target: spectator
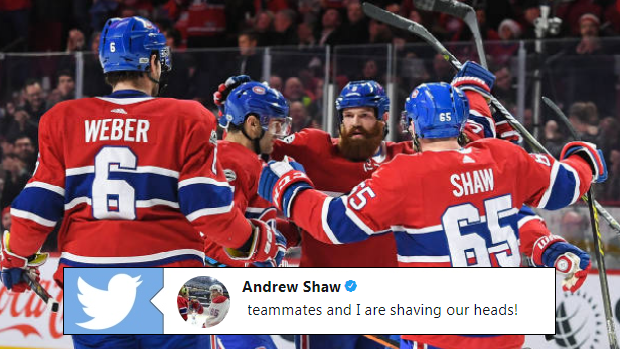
[356, 30]
[6, 212]
[21, 124]
[331, 22]
[294, 91]
[300, 116]
[284, 24]
[263, 27]
[93, 74]
[609, 136]
[275, 82]
[503, 89]
[35, 104]
[379, 33]
[65, 89]
[370, 71]
[554, 139]
[249, 61]
[573, 227]
[24, 150]
[305, 36]
[16, 178]
[442, 70]
[589, 30]
[584, 118]
[509, 29]
[76, 41]
[594, 66]
[610, 190]
[531, 11]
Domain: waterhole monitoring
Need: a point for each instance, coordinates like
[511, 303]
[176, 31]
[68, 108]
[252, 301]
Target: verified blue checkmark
[350, 285]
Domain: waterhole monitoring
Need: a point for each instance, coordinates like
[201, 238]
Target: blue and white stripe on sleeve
[342, 225]
[28, 205]
[203, 196]
[563, 187]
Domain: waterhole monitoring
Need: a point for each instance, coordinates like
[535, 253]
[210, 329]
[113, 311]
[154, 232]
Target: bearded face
[360, 133]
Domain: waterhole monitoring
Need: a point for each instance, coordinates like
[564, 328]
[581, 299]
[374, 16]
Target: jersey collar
[128, 94]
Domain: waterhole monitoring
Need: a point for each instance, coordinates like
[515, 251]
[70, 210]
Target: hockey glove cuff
[280, 182]
[474, 77]
[568, 260]
[591, 155]
[223, 90]
[14, 266]
[277, 260]
[263, 244]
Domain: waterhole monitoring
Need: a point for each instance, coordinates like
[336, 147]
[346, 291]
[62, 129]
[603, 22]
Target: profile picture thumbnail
[203, 301]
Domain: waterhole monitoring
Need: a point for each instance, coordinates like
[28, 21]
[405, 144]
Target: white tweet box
[386, 300]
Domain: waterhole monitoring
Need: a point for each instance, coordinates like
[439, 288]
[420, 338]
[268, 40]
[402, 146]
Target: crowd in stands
[298, 32]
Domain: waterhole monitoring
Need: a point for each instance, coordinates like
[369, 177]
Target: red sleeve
[550, 184]
[205, 197]
[530, 229]
[299, 144]
[480, 123]
[40, 204]
[372, 207]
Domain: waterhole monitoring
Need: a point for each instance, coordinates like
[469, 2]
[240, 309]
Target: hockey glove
[277, 260]
[281, 181]
[591, 155]
[474, 77]
[14, 266]
[223, 90]
[568, 260]
[262, 246]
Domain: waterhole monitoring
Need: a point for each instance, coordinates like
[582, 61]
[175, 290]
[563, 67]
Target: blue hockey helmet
[259, 99]
[437, 110]
[363, 93]
[126, 44]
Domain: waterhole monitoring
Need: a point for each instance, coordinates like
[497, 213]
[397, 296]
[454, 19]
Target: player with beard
[336, 165]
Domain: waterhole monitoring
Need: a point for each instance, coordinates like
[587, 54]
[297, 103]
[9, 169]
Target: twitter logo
[111, 306]
[112, 300]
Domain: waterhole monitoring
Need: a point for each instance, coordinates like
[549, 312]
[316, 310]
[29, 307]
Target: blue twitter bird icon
[111, 306]
[112, 300]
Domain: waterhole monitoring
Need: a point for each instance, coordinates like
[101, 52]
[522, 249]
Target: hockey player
[253, 115]
[187, 305]
[135, 178]
[483, 178]
[218, 308]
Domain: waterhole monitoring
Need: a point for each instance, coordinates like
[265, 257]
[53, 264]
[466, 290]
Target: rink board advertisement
[579, 317]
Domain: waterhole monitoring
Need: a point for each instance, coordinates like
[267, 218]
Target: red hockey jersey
[136, 179]
[334, 175]
[450, 208]
[185, 306]
[242, 169]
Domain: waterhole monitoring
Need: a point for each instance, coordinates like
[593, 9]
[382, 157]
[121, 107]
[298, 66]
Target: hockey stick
[36, 287]
[612, 222]
[459, 10]
[599, 253]
[390, 343]
[417, 29]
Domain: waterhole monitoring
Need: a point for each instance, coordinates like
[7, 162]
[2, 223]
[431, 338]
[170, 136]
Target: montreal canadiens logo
[258, 90]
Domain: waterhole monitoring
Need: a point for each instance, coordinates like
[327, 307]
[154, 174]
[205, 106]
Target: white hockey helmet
[217, 288]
